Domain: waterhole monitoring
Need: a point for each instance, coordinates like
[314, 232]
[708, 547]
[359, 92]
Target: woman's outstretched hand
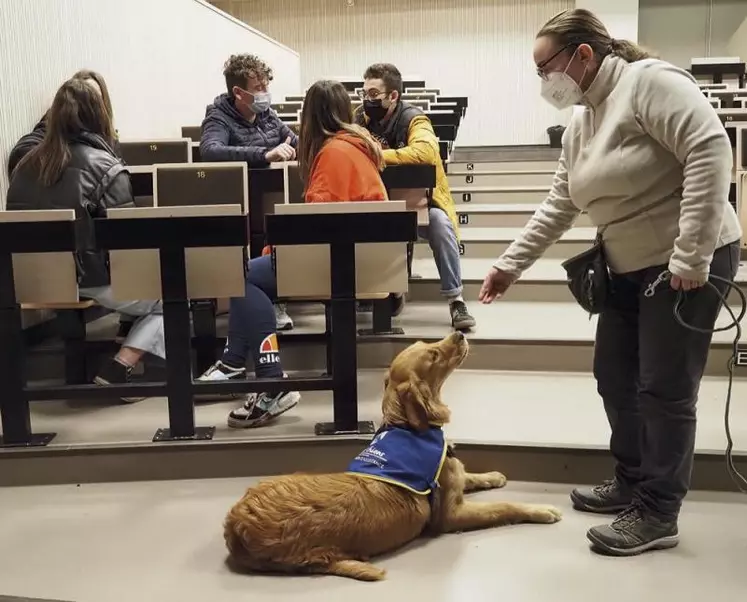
[495, 285]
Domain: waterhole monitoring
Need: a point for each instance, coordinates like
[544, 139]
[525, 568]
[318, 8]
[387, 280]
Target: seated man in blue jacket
[240, 126]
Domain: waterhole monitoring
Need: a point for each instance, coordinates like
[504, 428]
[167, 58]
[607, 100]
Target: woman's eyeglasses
[541, 66]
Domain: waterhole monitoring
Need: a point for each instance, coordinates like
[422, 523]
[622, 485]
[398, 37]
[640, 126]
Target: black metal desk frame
[171, 236]
[38, 237]
[342, 232]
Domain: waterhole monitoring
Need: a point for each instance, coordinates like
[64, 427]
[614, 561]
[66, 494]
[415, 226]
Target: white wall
[738, 44]
[476, 48]
[162, 59]
[619, 16]
[679, 30]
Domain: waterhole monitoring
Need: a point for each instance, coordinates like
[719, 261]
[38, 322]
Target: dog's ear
[414, 395]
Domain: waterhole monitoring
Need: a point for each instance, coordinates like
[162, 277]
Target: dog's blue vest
[403, 457]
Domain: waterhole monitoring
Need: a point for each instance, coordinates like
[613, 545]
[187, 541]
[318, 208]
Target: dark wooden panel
[147, 152]
[215, 185]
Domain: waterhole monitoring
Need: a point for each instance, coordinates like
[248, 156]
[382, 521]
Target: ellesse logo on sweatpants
[269, 351]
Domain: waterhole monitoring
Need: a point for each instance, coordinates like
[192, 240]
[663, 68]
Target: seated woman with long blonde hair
[339, 161]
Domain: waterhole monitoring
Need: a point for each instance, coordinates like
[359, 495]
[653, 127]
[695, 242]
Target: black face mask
[374, 109]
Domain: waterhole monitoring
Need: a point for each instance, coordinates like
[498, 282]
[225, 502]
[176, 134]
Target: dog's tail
[354, 569]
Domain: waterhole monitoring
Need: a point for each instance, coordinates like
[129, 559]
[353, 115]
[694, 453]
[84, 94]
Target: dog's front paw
[545, 514]
[495, 480]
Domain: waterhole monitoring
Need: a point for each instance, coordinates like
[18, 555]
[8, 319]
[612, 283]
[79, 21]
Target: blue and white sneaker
[258, 410]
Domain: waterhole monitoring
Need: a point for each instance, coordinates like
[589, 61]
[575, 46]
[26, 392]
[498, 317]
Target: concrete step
[544, 282]
[500, 194]
[510, 335]
[466, 178]
[533, 425]
[538, 307]
[480, 166]
[491, 242]
[501, 215]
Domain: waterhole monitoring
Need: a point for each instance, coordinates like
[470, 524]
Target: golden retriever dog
[333, 523]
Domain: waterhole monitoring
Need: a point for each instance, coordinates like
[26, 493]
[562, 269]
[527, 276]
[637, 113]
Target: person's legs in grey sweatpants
[648, 369]
[145, 335]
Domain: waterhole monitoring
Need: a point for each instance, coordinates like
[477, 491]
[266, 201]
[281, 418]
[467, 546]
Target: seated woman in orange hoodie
[339, 161]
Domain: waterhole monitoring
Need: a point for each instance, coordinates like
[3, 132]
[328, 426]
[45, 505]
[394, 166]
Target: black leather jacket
[94, 180]
[31, 140]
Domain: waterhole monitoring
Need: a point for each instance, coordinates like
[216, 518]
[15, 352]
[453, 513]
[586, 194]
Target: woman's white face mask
[561, 90]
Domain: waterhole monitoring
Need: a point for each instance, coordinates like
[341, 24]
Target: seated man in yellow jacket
[407, 136]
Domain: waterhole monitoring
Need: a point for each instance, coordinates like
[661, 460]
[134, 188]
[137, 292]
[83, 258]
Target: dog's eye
[434, 354]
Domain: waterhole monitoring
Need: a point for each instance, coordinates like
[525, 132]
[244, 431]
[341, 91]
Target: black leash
[736, 323]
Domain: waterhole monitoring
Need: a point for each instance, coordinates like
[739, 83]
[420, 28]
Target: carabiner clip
[651, 288]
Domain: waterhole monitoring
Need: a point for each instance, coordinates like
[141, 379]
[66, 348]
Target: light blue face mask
[262, 102]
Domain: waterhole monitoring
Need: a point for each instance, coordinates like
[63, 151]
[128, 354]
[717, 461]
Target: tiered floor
[527, 382]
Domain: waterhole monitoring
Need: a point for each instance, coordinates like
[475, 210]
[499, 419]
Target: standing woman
[649, 158]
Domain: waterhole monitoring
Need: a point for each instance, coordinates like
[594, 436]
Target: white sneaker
[282, 320]
[221, 372]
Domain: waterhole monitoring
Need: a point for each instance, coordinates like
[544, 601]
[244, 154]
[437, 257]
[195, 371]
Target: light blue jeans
[147, 316]
[443, 242]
